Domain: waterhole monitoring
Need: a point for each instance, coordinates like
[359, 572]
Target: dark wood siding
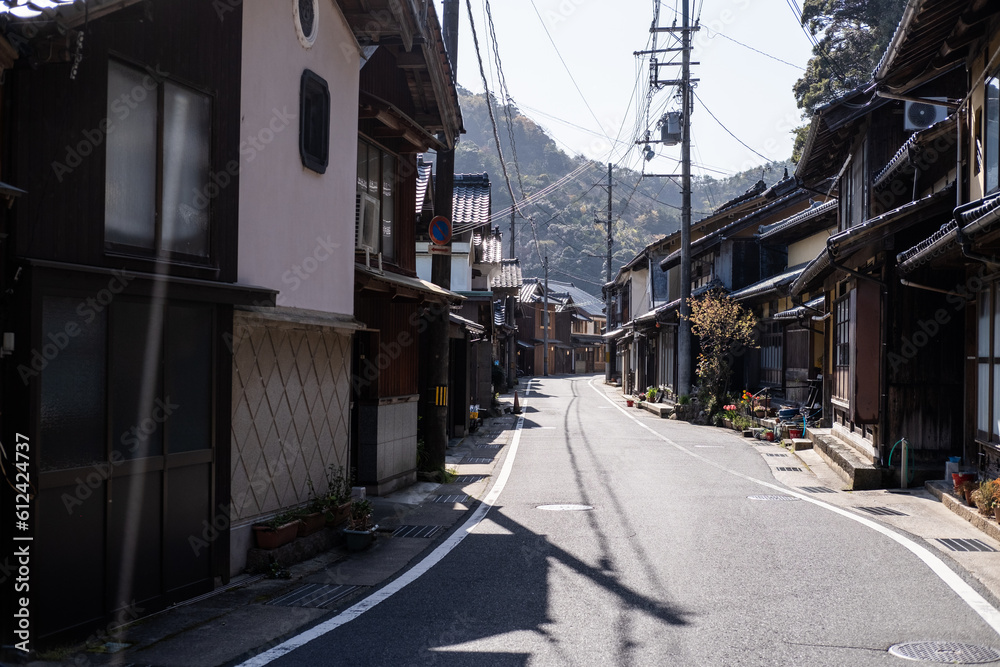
[57, 121]
[397, 325]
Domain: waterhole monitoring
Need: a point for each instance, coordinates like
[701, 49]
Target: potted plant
[311, 518]
[966, 491]
[335, 504]
[360, 531]
[276, 532]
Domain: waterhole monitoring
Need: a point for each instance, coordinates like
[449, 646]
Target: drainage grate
[416, 531]
[489, 446]
[785, 455]
[882, 511]
[476, 459]
[313, 595]
[775, 497]
[948, 652]
[469, 479]
[460, 498]
[816, 489]
[962, 544]
[789, 469]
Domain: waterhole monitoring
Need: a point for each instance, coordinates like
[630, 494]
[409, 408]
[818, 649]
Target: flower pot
[311, 523]
[959, 477]
[358, 540]
[769, 436]
[996, 512]
[629, 402]
[794, 433]
[272, 538]
[338, 514]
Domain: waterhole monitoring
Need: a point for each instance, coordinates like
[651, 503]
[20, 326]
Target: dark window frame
[157, 252]
[314, 121]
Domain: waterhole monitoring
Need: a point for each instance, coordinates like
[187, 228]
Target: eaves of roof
[814, 212]
[975, 219]
[841, 246]
[931, 37]
[797, 313]
[705, 243]
[912, 148]
[768, 285]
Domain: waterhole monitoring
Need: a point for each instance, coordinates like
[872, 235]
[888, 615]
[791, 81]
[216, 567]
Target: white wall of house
[809, 248]
[641, 292]
[296, 231]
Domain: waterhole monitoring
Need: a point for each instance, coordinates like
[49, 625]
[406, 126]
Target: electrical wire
[747, 46]
[722, 125]
[566, 67]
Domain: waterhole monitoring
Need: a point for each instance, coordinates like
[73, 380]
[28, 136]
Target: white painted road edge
[968, 594]
[411, 575]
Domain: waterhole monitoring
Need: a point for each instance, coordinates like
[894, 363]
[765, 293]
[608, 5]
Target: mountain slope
[569, 219]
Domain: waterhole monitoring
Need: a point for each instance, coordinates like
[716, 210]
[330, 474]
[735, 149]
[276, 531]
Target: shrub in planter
[277, 532]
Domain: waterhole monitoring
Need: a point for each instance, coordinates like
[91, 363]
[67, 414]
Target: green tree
[721, 326]
[852, 36]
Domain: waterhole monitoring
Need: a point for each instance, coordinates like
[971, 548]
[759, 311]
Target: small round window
[306, 17]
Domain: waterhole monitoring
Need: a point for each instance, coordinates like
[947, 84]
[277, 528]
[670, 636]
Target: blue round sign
[440, 230]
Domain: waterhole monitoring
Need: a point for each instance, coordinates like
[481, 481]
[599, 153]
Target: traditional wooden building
[120, 283]
[407, 104]
[948, 272]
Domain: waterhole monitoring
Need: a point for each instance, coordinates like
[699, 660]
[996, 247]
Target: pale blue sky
[749, 92]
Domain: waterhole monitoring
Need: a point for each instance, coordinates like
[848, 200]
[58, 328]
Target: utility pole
[684, 364]
[435, 341]
[513, 212]
[684, 330]
[545, 320]
[609, 344]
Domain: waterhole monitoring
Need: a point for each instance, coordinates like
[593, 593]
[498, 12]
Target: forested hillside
[569, 219]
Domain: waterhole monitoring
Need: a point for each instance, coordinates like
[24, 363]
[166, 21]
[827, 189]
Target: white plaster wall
[296, 227]
[640, 292]
[397, 439]
[808, 248]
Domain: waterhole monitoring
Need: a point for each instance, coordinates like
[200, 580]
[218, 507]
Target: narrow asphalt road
[675, 564]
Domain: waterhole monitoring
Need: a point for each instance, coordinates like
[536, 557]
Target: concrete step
[662, 410]
[856, 472]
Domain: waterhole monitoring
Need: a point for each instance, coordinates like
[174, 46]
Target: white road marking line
[408, 577]
[967, 593]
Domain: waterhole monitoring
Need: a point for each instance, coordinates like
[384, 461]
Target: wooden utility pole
[435, 339]
[684, 330]
[545, 320]
[684, 345]
[609, 344]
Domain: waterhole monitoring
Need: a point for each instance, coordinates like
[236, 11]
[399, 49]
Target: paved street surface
[676, 563]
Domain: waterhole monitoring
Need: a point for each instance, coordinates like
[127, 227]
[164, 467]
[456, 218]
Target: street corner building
[209, 242]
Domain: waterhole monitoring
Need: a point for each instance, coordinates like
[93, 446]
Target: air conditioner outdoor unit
[920, 115]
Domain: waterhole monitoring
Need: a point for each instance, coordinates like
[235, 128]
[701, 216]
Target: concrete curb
[944, 491]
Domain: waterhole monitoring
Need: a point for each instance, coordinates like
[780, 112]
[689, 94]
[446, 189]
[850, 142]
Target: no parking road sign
[440, 230]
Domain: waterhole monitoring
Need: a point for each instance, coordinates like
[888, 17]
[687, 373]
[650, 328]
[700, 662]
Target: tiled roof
[530, 289]
[768, 284]
[810, 213]
[903, 160]
[585, 301]
[800, 311]
[470, 202]
[490, 245]
[423, 180]
[509, 276]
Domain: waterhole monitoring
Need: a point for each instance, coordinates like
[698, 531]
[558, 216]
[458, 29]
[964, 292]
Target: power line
[722, 125]
[489, 107]
[566, 67]
[747, 46]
